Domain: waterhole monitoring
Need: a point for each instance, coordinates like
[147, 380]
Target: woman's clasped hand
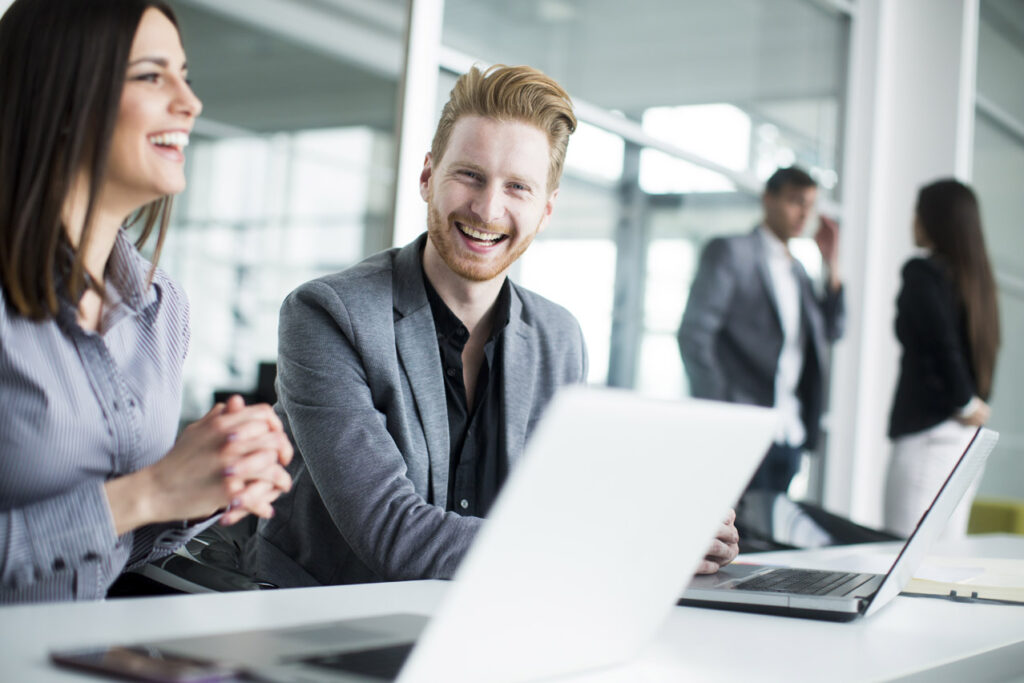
[232, 459]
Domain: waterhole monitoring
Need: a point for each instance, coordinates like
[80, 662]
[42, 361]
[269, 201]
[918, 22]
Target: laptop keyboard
[383, 663]
[801, 581]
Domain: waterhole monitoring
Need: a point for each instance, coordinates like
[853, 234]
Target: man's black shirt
[478, 461]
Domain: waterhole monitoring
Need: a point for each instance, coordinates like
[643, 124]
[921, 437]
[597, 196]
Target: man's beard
[464, 262]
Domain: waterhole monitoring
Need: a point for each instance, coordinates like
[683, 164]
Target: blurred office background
[316, 120]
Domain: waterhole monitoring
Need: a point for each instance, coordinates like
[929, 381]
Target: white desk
[916, 639]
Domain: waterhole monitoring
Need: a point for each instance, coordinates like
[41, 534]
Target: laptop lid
[933, 522]
[593, 537]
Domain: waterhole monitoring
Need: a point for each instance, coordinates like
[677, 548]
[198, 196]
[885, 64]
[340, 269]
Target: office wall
[998, 170]
[910, 121]
[920, 71]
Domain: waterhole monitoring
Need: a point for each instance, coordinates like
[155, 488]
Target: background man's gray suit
[361, 393]
[731, 334]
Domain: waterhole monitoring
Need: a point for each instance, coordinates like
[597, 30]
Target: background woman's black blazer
[936, 373]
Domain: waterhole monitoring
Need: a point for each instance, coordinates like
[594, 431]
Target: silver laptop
[593, 538]
[841, 596]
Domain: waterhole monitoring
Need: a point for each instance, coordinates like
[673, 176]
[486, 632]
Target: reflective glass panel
[290, 168]
[998, 169]
[745, 85]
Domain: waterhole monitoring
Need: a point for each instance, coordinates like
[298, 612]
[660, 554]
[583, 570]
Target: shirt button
[451, 372]
[464, 504]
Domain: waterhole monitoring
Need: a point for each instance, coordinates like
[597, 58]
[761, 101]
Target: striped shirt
[78, 408]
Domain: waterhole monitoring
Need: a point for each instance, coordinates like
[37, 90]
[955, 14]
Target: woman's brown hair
[950, 217]
[62, 70]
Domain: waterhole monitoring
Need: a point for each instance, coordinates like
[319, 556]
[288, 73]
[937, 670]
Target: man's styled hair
[62, 70]
[511, 93]
[792, 176]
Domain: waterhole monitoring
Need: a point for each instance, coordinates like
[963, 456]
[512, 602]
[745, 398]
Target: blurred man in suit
[755, 331]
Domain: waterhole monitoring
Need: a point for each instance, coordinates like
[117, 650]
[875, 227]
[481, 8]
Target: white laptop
[590, 543]
[837, 595]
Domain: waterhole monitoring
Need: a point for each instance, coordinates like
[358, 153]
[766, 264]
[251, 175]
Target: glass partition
[728, 90]
[998, 169]
[290, 170]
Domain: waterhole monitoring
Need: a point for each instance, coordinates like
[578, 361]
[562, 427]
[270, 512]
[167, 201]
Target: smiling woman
[158, 109]
[95, 113]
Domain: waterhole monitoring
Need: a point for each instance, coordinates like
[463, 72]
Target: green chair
[990, 516]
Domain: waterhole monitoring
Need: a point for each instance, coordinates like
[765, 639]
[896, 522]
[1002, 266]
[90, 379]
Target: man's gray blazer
[731, 334]
[362, 396]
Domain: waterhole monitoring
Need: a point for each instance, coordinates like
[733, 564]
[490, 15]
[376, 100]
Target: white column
[910, 121]
[416, 115]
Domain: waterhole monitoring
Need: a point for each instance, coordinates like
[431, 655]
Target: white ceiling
[633, 55]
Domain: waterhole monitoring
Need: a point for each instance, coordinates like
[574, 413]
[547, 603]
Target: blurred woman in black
[948, 324]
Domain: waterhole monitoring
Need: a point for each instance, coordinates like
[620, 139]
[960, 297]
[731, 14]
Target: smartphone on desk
[144, 664]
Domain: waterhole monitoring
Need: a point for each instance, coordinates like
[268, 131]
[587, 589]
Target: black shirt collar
[448, 325]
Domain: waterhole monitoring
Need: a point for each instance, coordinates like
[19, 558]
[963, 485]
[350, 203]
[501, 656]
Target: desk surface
[912, 638]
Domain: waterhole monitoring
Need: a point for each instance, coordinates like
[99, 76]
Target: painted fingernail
[236, 502]
[229, 470]
[231, 437]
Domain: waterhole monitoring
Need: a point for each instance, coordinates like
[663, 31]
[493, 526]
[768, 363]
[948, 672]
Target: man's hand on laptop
[724, 548]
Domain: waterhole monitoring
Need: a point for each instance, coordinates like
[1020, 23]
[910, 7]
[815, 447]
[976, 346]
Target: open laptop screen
[933, 522]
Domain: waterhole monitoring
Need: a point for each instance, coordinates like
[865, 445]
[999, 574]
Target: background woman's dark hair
[62, 70]
[950, 217]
